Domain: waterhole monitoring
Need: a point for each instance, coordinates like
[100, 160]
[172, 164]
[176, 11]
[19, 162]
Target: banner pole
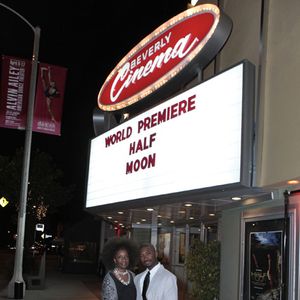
[16, 287]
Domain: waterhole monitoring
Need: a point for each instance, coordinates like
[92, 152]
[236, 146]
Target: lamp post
[16, 287]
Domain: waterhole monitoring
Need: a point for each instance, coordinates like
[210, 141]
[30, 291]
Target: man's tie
[145, 285]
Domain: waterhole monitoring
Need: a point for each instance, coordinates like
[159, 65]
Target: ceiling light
[159, 216]
[293, 181]
[150, 209]
[172, 221]
[120, 212]
[212, 215]
[143, 220]
[188, 204]
[191, 218]
[182, 211]
[109, 218]
[236, 198]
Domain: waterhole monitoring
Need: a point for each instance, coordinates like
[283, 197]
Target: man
[162, 284]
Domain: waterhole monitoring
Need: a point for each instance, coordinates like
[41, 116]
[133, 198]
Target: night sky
[88, 38]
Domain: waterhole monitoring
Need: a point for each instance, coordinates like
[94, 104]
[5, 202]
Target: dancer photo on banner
[49, 99]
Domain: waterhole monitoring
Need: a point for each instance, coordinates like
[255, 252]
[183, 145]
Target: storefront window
[164, 244]
[181, 258]
[82, 252]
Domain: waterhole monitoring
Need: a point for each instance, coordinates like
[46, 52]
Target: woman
[118, 256]
[50, 90]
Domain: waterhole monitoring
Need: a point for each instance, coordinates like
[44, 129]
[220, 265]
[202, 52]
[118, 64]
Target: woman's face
[121, 259]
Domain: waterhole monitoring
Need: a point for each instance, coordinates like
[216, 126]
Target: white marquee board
[190, 142]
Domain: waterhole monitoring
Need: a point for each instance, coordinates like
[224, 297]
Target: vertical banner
[49, 99]
[15, 82]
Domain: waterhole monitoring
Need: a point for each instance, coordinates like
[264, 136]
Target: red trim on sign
[159, 57]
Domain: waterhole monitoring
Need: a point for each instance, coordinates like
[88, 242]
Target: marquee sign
[167, 57]
[199, 139]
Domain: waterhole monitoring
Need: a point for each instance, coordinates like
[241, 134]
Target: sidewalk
[62, 286]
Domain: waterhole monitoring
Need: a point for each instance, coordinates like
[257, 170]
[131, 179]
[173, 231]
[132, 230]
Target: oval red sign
[194, 36]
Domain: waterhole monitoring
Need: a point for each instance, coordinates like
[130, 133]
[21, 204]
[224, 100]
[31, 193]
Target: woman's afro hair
[113, 245]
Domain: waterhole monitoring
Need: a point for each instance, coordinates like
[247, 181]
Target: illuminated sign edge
[214, 40]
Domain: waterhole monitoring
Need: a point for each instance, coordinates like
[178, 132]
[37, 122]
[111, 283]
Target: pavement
[60, 286]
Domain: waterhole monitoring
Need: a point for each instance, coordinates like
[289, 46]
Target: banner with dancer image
[49, 99]
[14, 97]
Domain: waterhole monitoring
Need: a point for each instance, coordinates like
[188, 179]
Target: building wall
[230, 252]
[232, 243]
[277, 64]
[243, 42]
[280, 93]
[265, 33]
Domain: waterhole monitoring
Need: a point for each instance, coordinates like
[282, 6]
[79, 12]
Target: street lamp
[16, 287]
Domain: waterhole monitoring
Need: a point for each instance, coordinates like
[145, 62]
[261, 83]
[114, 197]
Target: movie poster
[265, 265]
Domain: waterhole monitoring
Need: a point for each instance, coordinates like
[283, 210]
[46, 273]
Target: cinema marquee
[198, 140]
[166, 58]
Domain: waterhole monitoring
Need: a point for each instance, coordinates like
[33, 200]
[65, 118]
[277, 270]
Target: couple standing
[155, 283]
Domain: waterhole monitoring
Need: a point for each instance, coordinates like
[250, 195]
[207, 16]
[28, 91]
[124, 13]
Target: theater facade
[196, 137]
